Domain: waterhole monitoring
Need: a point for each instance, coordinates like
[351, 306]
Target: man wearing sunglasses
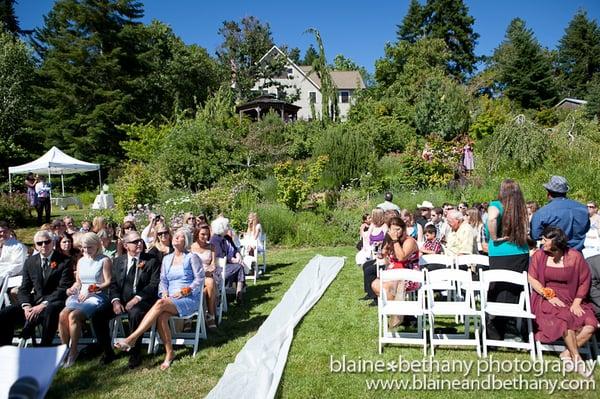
[42, 295]
[133, 291]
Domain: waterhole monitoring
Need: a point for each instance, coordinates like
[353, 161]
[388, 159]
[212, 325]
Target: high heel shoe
[70, 361]
[123, 346]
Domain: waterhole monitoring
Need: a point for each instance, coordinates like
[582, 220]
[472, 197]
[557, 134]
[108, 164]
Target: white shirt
[388, 205]
[12, 258]
[42, 189]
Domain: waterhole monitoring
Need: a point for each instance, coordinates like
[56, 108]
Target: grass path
[338, 325]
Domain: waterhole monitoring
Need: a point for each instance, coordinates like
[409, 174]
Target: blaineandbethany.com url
[423, 382]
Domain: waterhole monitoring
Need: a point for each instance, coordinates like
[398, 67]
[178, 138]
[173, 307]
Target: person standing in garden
[42, 190]
[468, 161]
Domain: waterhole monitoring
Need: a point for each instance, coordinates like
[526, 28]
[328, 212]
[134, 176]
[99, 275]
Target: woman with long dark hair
[506, 230]
[560, 280]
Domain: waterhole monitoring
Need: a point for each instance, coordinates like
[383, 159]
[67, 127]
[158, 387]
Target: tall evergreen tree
[523, 68]
[16, 78]
[579, 55]
[412, 27]
[85, 76]
[8, 18]
[310, 55]
[448, 20]
[244, 44]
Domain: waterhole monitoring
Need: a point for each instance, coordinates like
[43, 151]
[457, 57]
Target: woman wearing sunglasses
[161, 243]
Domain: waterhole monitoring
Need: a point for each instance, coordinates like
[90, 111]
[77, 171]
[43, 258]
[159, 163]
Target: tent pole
[99, 180]
[9, 185]
[62, 180]
[50, 183]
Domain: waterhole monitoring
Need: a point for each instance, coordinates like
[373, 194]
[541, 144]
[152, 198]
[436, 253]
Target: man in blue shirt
[571, 216]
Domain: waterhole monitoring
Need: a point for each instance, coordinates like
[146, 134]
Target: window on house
[312, 97]
[345, 96]
[290, 73]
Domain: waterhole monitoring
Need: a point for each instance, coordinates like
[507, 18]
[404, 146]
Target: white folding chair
[436, 261]
[464, 306]
[117, 330]
[387, 307]
[182, 337]
[475, 263]
[222, 304]
[521, 310]
[7, 284]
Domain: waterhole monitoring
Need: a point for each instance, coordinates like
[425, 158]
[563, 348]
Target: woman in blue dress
[181, 285]
[88, 293]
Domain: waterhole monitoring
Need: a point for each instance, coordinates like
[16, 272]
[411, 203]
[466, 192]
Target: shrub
[138, 184]
[294, 183]
[13, 209]
[351, 153]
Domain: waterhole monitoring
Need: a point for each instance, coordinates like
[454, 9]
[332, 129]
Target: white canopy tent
[55, 162]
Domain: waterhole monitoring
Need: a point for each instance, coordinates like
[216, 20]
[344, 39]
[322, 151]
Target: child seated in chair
[431, 245]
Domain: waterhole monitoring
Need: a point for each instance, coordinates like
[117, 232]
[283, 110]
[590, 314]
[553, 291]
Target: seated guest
[85, 226]
[181, 282]
[253, 234]
[532, 208]
[431, 245]
[58, 227]
[461, 240]
[399, 251]
[99, 223]
[12, 253]
[46, 277]
[560, 280]
[65, 246]
[474, 219]
[109, 247]
[133, 290]
[70, 225]
[212, 273]
[372, 244]
[413, 229]
[126, 227]
[87, 294]
[161, 243]
[225, 248]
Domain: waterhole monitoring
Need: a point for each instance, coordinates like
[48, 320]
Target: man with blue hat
[570, 216]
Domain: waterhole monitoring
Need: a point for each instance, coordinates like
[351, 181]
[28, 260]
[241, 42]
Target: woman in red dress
[560, 279]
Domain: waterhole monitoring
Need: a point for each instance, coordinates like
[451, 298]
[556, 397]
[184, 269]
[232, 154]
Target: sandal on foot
[123, 346]
[210, 322]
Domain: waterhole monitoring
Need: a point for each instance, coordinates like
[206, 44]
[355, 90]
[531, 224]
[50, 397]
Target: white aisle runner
[258, 367]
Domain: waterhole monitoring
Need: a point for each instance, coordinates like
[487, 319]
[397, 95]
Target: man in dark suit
[133, 290]
[42, 295]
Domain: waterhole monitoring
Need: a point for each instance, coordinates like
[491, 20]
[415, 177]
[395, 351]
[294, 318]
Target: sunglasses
[45, 242]
[136, 242]
[591, 206]
[162, 233]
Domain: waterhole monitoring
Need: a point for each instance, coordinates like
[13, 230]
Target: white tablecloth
[104, 201]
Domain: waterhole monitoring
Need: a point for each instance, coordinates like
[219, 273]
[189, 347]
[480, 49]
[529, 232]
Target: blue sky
[356, 29]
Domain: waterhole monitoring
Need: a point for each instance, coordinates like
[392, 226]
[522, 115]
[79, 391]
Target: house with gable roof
[302, 82]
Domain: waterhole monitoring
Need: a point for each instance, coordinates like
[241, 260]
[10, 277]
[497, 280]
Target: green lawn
[338, 325]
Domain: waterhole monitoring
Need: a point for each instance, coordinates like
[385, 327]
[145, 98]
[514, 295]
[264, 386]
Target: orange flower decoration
[548, 293]
[141, 265]
[186, 291]
[93, 288]
[53, 265]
